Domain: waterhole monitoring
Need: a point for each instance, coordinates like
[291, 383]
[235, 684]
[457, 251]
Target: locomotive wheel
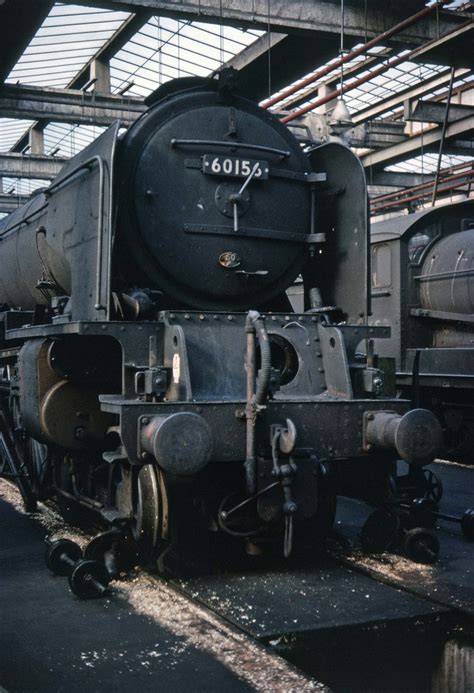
[421, 545]
[380, 531]
[150, 509]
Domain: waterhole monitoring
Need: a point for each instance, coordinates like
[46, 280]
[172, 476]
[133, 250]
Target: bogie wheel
[150, 510]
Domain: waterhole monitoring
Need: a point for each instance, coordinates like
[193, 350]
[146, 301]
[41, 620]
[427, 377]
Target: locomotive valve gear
[416, 435]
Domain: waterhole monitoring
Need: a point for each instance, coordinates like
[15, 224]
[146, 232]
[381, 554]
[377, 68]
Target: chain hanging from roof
[341, 117]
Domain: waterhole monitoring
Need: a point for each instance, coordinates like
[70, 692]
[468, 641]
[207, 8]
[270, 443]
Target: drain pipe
[255, 327]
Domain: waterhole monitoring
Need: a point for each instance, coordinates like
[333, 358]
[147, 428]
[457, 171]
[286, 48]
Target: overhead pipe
[366, 78]
[397, 203]
[396, 29]
[415, 188]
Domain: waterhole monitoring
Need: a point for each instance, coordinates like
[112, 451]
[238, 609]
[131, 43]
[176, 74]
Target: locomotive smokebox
[447, 278]
[213, 202]
[416, 436]
[181, 443]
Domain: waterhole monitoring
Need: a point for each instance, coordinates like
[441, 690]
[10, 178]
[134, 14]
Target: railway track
[258, 621]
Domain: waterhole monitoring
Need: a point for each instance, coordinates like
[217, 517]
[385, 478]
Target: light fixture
[341, 118]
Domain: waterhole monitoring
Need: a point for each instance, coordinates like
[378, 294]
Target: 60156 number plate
[234, 167]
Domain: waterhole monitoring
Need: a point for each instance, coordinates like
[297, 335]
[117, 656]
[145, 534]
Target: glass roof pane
[168, 48]
[10, 132]
[66, 40]
[69, 36]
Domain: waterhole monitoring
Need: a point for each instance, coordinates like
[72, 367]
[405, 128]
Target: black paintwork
[422, 288]
[124, 281]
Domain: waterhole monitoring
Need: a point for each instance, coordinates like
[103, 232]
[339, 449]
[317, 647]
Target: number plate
[234, 167]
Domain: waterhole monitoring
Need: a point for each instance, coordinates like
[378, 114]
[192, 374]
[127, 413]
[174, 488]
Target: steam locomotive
[422, 284]
[154, 374]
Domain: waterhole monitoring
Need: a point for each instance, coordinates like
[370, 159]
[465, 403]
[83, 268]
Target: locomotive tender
[153, 370]
[422, 286]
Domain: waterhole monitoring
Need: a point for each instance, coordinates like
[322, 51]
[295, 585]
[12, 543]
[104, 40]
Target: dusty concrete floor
[144, 636]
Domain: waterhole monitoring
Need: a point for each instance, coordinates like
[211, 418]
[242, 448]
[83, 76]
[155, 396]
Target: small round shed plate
[229, 259]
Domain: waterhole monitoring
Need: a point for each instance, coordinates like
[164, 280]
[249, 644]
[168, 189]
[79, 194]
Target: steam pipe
[396, 29]
[255, 326]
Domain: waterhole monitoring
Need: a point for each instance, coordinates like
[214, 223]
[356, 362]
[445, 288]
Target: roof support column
[100, 73]
[36, 140]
